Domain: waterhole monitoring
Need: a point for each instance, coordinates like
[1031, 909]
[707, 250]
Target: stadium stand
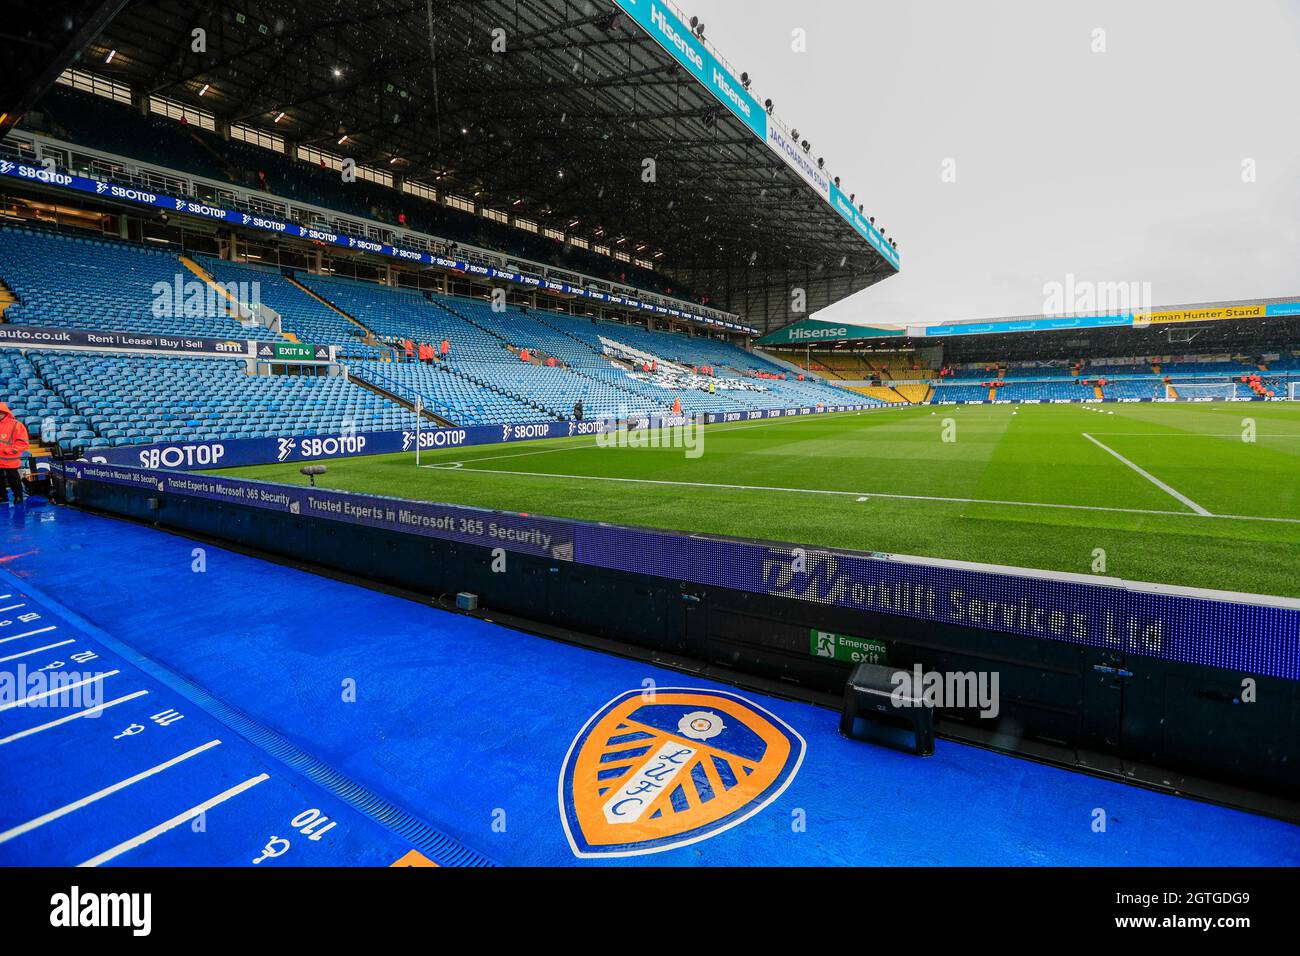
[308, 319]
[945, 393]
[226, 169]
[38, 406]
[916, 394]
[880, 393]
[857, 367]
[452, 395]
[83, 118]
[95, 283]
[509, 366]
[595, 361]
[1134, 389]
[1044, 391]
[84, 282]
[133, 400]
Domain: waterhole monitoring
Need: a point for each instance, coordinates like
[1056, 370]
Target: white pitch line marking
[19, 637]
[875, 494]
[160, 829]
[47, 647]
[88, 712]
[1167, 489]
[57, 690]
[1236, 435]
[86, 801]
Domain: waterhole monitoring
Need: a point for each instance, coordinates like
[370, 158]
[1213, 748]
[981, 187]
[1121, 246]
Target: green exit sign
[844, 647]
[305, 352]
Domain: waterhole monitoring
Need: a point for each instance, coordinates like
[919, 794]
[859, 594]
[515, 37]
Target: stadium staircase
[212, 283]
[880, 393]
[915, 394]
[395, 392]
[541, 320]
[221, 161]
[441, 302]
[1096, 390]
[7, 298]
[370, 337]
[550, 412]
[993, 394]
[491, 387]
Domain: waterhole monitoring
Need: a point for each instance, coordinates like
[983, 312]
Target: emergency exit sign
[305, 352]
[845, 647]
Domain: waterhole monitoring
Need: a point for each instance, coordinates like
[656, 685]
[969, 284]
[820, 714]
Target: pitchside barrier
[1121, 677]
[233, 453]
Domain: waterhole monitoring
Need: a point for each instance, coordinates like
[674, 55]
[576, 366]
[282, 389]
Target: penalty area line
[1167, 489]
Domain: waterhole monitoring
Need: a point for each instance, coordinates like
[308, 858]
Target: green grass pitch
[1173, 494]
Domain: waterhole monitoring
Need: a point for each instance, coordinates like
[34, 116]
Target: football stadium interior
[416, 403]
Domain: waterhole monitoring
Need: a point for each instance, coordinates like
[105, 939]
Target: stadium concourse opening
[397, 483]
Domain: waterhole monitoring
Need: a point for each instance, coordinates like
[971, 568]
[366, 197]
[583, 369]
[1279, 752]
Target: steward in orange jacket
[13, 442]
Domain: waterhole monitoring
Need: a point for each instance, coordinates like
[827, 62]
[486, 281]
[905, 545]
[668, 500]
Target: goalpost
[1293, 391]
[1199, 391]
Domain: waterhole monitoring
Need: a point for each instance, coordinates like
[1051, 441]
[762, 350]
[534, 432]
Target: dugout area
[1171, 725]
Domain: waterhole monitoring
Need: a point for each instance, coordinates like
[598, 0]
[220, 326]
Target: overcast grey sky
[1120, 166]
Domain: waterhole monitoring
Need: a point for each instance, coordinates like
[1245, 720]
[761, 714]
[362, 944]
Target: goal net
[1293, 391]
[1200, 392]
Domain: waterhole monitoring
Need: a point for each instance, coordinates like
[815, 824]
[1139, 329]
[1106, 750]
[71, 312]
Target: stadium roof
[556, 128]
[814, 332]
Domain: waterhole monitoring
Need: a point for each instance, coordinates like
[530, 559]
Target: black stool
[870, 696]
